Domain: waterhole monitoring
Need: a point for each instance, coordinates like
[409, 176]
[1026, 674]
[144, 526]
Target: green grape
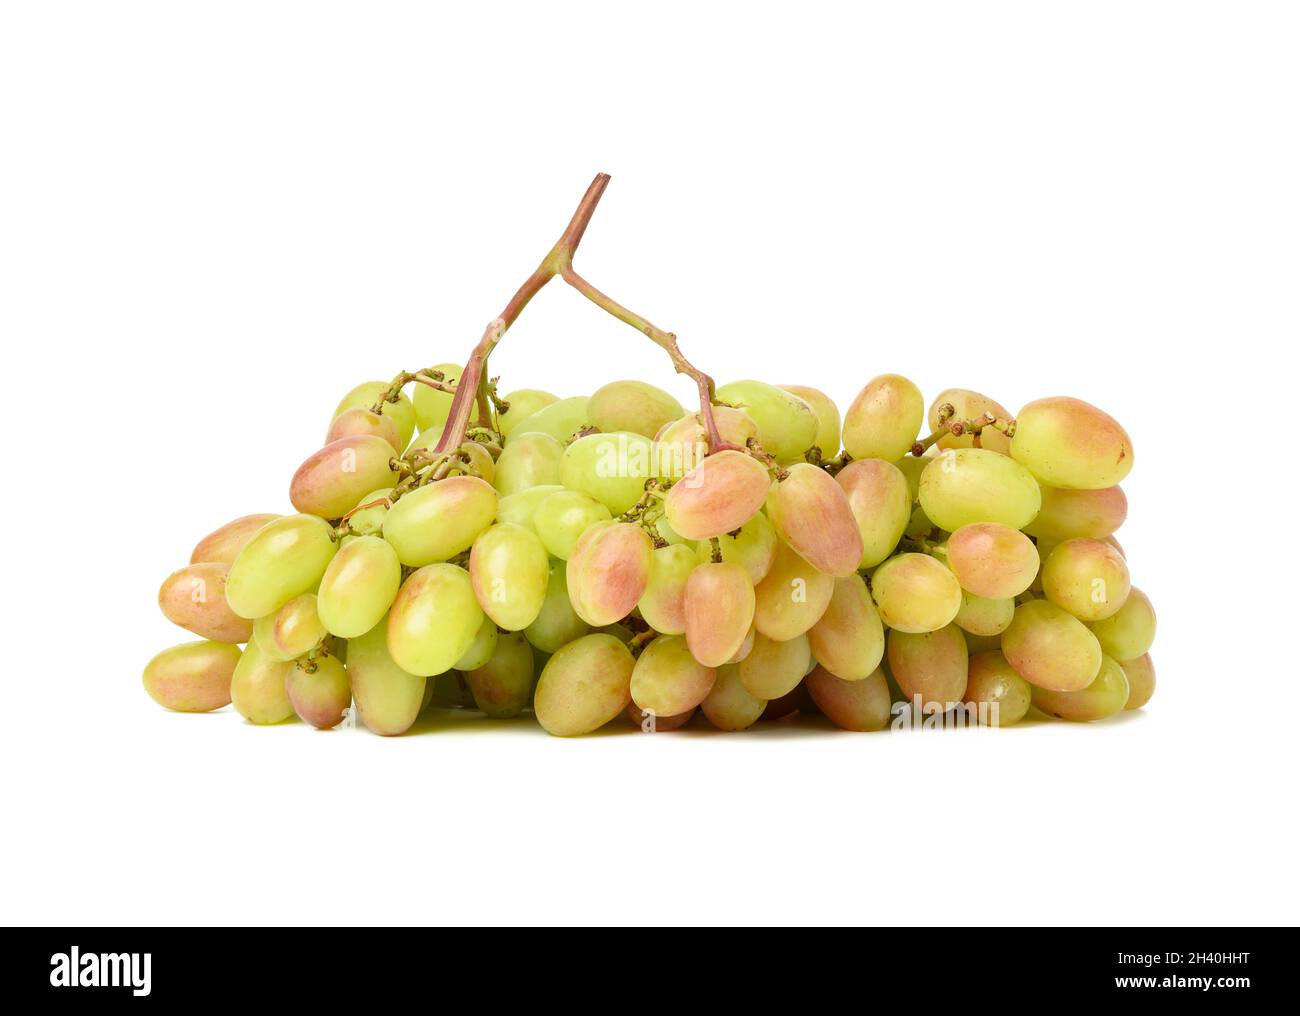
[333, 479]
[1000, 696]
[849, 640]
[434, 620]
[257, 687]
[194, 597]
[557, 623]
[193, 677]
[481, 463]
[510, 570]
[982, 643]
[1067, 514]
[773, 669]
[1068, 443]
[1086, 577]
[827, 440]
[563, 517]
[718, 496]
[523, 403]
[663, 604]
[369, 521]
[965, 485]
[360, 421]
[432, 407]
[729, 705]
[503, 685]
[608, 571]
[1129, 632]
[881, 504]
[612, 468]
[812, 514]
[912, 466]
[792, 596]
[285, 558]
[992, 560]
[919, 526]
[787, 425]
[529, 460]
[481, 649]
[358, 587]
[322, 696]
[980, 615]
[366, 394]
[561, 420]
[632, 406]
[222, 546]
[719, 608]
[521, 509]
[1141, 674]
[970, 405]
[667, 680]
[440, 520]
[583, 686]
[1104, 696]
[752, 546]
[932, 665]
[915, 593]
[884, 420]
[1050, 648]
[682, 445]
[388, 698]
[863, 705]
[292, 631]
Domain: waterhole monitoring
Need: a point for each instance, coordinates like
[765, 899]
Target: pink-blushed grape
[881, 504]
[849, 639]
[1066, 442]
[223, 545]
[932, 665]
[632, 406]
[257, 688]
[812, 514]
[368, 393]
[584, 685]
[863, 705]
[992, 560]
[719, 495]
[1089, 578]
[1000, 696]
[1051, 648]
[682, 445]
[360, 421]
[970, 405]
[194, 597]
[193, 677]
[719, 610]
[320, 696]
[1067, 514]
[1141, 674]
[884, 419]
[333, 479]
[609, 571]
[292, 631]
[503, 685]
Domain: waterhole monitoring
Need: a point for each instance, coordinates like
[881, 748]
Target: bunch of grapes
[589, 558]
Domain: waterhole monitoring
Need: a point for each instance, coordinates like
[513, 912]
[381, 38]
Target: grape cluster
[588, 559]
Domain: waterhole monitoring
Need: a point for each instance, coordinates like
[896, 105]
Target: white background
[217, 218]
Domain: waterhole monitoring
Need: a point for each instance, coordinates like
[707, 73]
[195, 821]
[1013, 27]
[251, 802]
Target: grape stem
[959, 427]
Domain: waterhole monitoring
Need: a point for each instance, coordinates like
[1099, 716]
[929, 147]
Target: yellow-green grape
[682, 445]
[787, 425]
[718, 496]
[1000, 696]
[194, 597]
[257, 687]
[319, 697]
[523, 403]
[557, 623]
[719, 609]
[992, 560]
[481, 649]
[649, 723]
[529, 460]
[223, 545]
[285, 558]
[912, 466]
[510, 570]
[363, 421]
[792, 596]
[612, 468]
[561, 420]
[752, 546]
[359, 586]
[980, 615]
[1067, 514]
[481, 463]
[729, 704]
[1129, 632]
[667, 680]
[193, 677]
[966, 485]
[632, 406]
[608, 571]
[1068, 443]
[1141, 674]
[1104, 696]
[521, 509]
[881, 504]
[583, 686]
[432, 407]
[366, 394]
[863, 705]
[823, 406]
[919, 526]
[370, 521]
[434, 620]
[932, 665]
[884, 420]
[811, 512]
[849, 639]
[915, 593]
[563, 517]
[663, 604]
[665, 532]
[388, 698]
[333, 479]
[292, 631]
[1087, 577]
[1051, 648]
[773, 669]
[503, 685]
[982, 643]
[436, 522]
[970, 405]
